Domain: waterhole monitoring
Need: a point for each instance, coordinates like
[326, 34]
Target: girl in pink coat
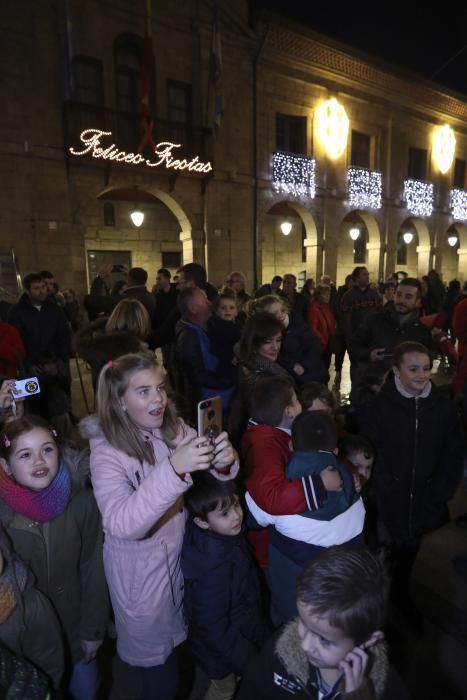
[141, 459]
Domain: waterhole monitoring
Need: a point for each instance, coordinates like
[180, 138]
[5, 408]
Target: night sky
[414, 37]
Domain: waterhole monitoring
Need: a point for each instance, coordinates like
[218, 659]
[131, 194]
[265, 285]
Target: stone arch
[345, 251]
[420, 251]
[279, 254]
[192, 239]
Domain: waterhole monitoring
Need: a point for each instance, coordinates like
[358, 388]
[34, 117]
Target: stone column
[425, 259]
[193, 246]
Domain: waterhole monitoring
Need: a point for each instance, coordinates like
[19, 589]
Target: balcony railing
[127, 130]
[458, 202]
[293, 174]
[419, 197]
[364, 188]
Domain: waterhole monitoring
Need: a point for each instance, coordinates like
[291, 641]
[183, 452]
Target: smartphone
[26, 387]
[210, 417]
[118, 268]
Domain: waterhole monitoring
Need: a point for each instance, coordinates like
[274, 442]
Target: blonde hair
[131, 316]
[117, 426]
[255, 306]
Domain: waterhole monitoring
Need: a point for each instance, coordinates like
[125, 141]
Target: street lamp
[286, 227]
[137, 216]
[408, 237]
[452, 240]
[354, 233]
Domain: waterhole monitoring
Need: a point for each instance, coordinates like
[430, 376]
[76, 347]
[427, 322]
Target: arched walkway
[364, 250]
[419, 252]
[296, 253]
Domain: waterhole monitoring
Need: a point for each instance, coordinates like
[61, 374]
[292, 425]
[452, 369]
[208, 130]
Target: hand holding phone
[210, 418]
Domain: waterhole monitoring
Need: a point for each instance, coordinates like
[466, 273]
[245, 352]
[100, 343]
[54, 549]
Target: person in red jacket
[12, 351]
[459, 328]
[322, 321]
[266, 448]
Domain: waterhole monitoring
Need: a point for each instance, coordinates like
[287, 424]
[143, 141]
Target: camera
[25, 387]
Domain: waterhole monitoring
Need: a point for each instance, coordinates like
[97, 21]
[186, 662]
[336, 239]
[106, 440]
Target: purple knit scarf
[40, 506]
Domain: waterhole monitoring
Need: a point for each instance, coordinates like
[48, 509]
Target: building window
[178, 110]
[88, 83]
[417, 163]
[459, 174]
[128, 70]
[360, 151]
[290, 133]
[171, 259]
[401, 251]
[109, 214]
[179, 102]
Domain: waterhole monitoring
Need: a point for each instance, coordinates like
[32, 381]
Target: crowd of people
[269, 551]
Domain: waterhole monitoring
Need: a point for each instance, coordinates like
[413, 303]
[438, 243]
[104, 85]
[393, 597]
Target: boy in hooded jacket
[222, 595]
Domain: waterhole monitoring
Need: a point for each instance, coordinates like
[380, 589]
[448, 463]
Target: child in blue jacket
[222, 595]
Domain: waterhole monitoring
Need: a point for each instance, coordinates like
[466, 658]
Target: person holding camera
[142, 459]
[101, 300]
[46, 336]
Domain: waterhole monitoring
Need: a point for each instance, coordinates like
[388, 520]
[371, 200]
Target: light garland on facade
[364, 188]
[459, 204]
[444, 147]
[91, 138]
[419, 197]
[294, 174]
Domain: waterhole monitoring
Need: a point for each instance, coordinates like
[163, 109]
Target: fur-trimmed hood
[289, 651]
[90, 427]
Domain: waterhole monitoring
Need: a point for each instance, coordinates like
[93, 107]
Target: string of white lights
[364, 188]
[293, 174]
[419, 196]
[458, 201]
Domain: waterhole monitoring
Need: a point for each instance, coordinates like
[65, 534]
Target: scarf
[40, 506]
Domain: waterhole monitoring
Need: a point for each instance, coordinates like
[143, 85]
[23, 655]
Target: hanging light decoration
[444, 147]
[408, 237]
[333, 127]
[137, 216]
[286, 227]
[459, 203]
[452, 240]
[354, 233]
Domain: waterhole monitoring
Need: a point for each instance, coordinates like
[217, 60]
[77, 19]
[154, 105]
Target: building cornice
[282, 42]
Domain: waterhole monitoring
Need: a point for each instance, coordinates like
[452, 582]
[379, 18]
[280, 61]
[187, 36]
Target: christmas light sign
[91, 138]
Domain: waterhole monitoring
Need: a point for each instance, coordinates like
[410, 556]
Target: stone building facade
[77, 65]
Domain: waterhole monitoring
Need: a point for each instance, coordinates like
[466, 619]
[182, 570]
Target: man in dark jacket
[202, 374]
[47, 339]
[99, 301]
[374, 340]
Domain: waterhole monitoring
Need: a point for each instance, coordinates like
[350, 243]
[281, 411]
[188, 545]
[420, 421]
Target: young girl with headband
[141, 459]
[54, 525]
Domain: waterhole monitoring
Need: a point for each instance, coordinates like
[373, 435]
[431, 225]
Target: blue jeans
[85, 681]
